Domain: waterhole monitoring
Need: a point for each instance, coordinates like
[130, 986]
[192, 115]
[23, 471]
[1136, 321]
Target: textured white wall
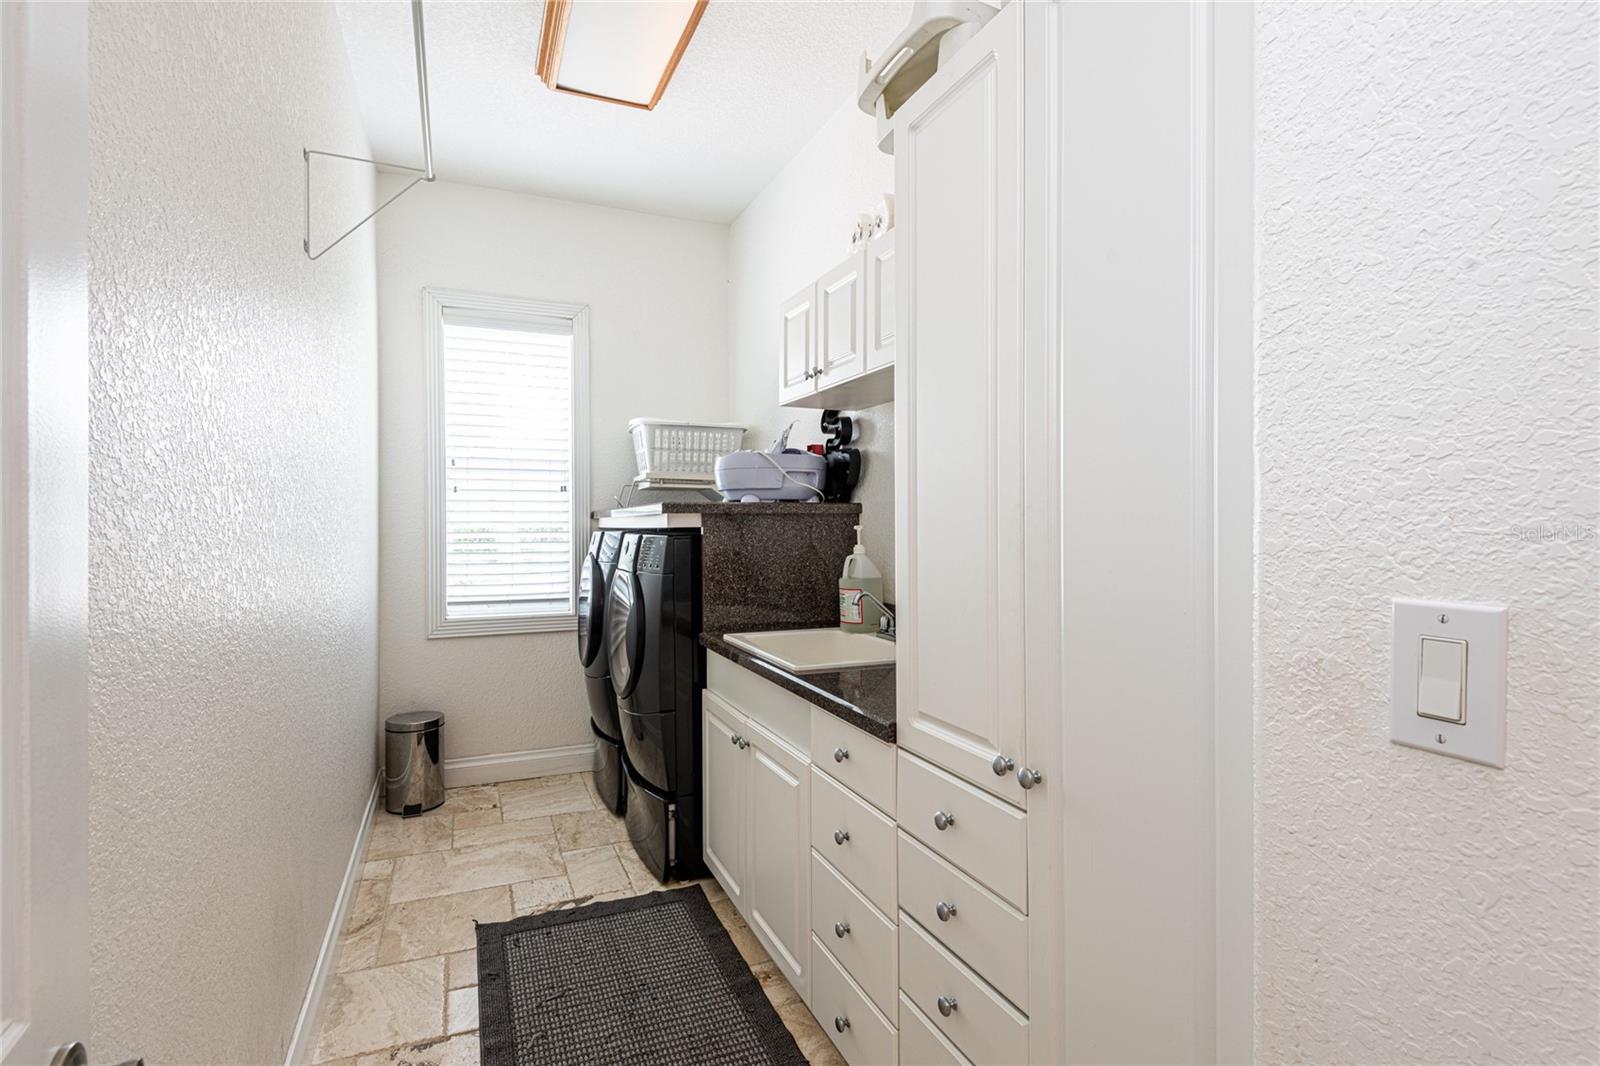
[797, 228]
[1426, 391]
[657, 289]
[233, 535]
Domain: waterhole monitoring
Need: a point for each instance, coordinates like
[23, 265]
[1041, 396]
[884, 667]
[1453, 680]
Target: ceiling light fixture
[620, 51]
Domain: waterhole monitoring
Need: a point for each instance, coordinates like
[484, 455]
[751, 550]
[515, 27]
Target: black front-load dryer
[657, 669]
[594, 582]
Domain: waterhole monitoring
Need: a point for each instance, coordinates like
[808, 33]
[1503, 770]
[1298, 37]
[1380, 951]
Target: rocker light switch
[1448, 689]
[1442, 680]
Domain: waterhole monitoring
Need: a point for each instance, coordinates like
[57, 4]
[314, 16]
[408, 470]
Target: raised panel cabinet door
[725, 767]
[841, 322]
[797, 346]
[779, 882]
[959, 414]
[880, 300]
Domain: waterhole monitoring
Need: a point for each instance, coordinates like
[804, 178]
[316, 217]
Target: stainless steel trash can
[412, 780]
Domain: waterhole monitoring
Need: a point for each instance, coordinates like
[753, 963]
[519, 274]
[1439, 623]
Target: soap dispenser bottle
[860, 578]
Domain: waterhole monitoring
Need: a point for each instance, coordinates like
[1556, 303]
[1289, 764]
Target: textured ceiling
[758, 79]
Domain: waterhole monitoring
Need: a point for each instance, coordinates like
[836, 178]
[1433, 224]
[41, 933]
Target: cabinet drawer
[864, 763]
[921, 1044]
[867, 947]
[982, 930]
[856, 839]
[863, 1036]
[981, 1023]
[985, 837]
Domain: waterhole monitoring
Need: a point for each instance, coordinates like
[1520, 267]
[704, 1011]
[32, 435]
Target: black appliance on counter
[594, 586]
[658, 669]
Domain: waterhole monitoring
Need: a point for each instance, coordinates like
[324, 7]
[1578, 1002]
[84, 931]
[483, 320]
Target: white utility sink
[810, 651]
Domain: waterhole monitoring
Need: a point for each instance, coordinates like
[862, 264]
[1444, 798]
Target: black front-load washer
[657, 669]
[594, 581]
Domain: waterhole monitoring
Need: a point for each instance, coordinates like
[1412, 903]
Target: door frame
[44, 374]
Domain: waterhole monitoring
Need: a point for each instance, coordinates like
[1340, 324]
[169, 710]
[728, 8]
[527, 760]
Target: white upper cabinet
[837, 341]
[961, 431]
[841, 340]
[797, 346]
[880, 301]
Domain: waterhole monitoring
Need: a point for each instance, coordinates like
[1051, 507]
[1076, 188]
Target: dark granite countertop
[864, 697]
[792, 507]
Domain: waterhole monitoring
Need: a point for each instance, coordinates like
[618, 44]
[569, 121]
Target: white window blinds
[508, 455]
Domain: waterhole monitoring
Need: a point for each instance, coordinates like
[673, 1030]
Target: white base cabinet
[757, 802]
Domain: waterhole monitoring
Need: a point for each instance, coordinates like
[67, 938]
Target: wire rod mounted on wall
[424, 172]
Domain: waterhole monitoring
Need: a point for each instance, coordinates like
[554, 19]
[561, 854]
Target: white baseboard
[306, 1026]
[515, 765]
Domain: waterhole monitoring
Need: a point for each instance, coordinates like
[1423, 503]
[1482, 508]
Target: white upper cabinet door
[959, 418]
[797, 346]
[779, 888]
[841, 332]
[725, 765]
[880, 301]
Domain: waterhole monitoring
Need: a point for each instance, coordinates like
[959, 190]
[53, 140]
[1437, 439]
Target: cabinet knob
[943, 821]
[841, 754]
[840, 836]
[734, 739]
[1002, 765]
[945, 911]
[947, 1005]
[840, 1022]
[1028, 778]
[744, 742]
[841, 929]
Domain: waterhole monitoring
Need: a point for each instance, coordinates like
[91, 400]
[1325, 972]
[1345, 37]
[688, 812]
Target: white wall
[1426, 397]
[232, 520]
[657, 289]
[794, 230]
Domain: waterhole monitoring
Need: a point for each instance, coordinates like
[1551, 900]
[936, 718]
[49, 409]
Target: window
[507, 471]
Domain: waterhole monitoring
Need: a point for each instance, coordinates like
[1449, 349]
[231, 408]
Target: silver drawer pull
[945, 911]
[841, 929]
[1028, 778]
[947, 1005]
[1002, 765]
[841, 754]
[840, 1022]
[840, 836]
[943, 821]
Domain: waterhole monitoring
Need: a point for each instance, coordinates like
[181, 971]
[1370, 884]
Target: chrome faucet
[886, 622]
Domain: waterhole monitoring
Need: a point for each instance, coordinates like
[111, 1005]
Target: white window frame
[434, 303]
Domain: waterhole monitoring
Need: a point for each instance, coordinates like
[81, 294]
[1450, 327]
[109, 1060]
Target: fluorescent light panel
[619, 51]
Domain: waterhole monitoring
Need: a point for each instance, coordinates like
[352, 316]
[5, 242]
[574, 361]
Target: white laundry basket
[681, 451]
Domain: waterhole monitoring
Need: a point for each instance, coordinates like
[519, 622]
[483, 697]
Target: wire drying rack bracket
[424, 172]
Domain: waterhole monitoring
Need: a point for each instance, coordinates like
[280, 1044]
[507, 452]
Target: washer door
[591, 610]
[625, 632]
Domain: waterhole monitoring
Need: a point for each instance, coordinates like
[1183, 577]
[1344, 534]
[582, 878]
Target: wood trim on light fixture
[553, 37]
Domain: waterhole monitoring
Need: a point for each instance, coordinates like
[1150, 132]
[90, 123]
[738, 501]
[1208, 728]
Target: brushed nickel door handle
[840, 836]
[945, 911]
[943, 821]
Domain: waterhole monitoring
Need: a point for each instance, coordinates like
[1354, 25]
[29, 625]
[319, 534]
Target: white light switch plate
[1481, 737]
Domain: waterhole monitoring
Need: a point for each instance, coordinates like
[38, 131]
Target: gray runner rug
[653, 979]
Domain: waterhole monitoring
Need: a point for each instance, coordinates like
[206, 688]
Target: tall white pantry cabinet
[1054, 787]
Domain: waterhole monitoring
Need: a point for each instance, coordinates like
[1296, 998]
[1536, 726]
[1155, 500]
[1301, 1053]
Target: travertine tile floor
[406, 993]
